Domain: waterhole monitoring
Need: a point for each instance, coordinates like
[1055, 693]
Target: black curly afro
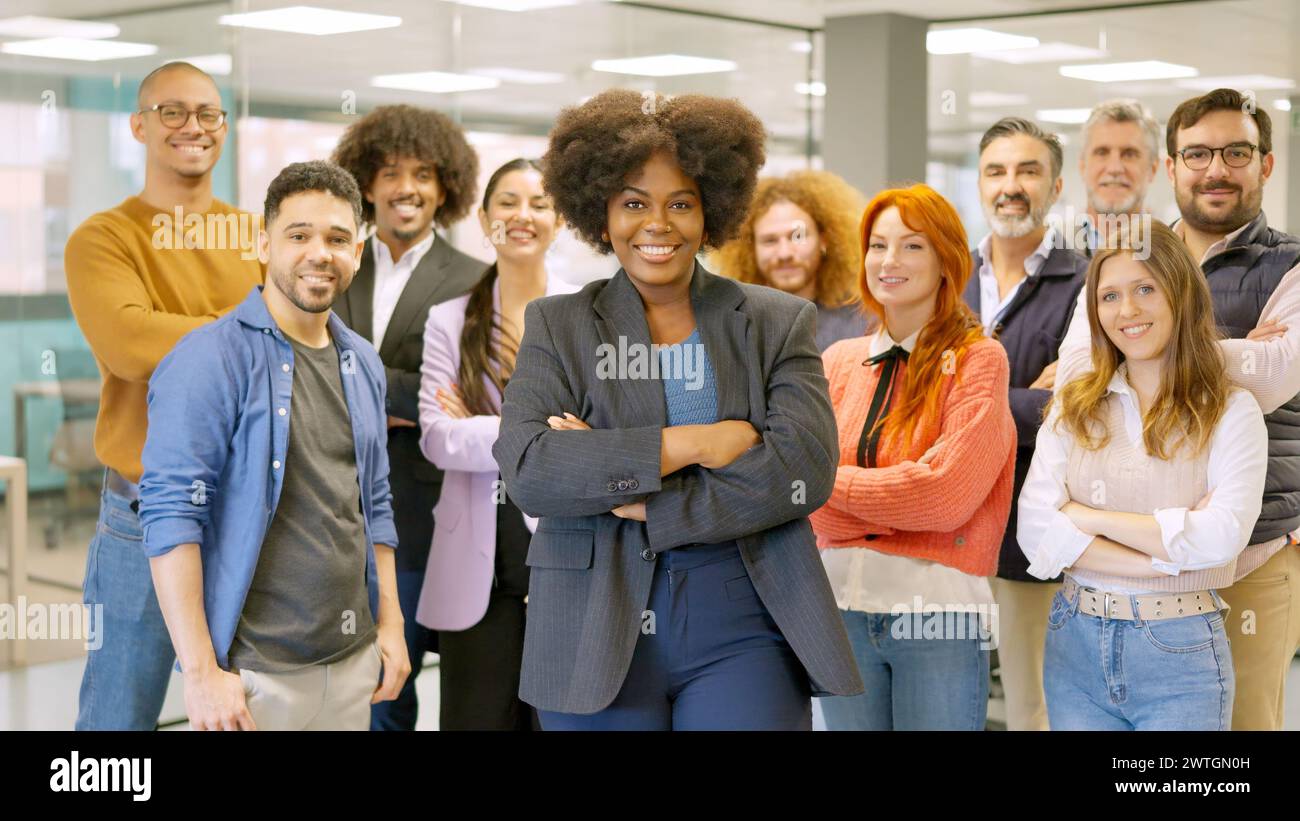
[597, 145]
[408, 131]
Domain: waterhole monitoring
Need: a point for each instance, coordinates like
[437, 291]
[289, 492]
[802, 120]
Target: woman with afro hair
[672, 430]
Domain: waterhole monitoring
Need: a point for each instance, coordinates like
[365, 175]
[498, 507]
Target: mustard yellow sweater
[135, 291]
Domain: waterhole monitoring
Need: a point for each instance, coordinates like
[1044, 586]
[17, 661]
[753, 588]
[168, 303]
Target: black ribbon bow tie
[896, 352]
[869, 440]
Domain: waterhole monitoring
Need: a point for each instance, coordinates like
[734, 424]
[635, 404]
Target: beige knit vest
[1126, 478]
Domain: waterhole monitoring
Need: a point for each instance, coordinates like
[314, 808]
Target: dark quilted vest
[1241, 279]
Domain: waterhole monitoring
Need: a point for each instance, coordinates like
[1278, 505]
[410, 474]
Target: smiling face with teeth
[1132, 309]
[656, 223]
[902, 269]
[311, 250]
[187, 151]
[519, 219]
[406, 195]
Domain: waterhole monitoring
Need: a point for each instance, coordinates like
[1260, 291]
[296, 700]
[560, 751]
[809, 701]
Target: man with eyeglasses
[140, 276]
[1220, 156]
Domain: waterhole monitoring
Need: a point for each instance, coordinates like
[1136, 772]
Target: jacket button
[612, 487]
[622, 484]
[960, 540]
[648, 554]
[633, 484]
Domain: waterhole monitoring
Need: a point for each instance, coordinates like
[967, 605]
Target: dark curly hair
[595, 146]
[407, 131]
[316, 175]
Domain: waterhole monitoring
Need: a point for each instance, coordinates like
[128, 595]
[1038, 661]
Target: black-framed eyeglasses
[1236, 155]
[175, 116]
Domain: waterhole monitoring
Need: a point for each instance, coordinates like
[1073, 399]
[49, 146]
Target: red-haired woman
[927, 455]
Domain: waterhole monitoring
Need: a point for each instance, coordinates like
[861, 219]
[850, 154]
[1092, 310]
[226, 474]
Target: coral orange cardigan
[952, 509]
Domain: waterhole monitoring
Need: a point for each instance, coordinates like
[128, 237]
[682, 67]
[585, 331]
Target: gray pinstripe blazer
[591, 571]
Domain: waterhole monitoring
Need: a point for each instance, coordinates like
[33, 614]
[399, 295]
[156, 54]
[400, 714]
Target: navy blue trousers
[709, 656]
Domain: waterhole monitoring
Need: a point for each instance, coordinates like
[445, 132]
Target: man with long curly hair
[800, 235]
[415, 170]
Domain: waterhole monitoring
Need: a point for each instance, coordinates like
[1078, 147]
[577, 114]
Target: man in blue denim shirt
[265, 500]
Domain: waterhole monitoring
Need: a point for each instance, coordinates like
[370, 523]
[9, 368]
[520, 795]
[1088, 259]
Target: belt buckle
[1105, 605]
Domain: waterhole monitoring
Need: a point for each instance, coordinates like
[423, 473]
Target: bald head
[166, 69]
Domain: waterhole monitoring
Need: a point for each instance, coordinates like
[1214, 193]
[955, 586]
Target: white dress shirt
[868, 581]
[991, 305]
[1194, 539]
[1269, 369]
[391, 279]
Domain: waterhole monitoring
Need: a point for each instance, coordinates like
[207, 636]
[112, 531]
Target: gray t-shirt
[308, 602]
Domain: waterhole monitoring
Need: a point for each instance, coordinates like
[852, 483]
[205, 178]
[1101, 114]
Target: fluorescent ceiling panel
[663, 65]
[1121, 72]
[969, 40]
[310, 20]
[518, 75]
[1069, 116]
[71, 48]
[1254, 82]
[1054, 52]
[434, 82]
[217, 64]
[996, 99]
[45, 27]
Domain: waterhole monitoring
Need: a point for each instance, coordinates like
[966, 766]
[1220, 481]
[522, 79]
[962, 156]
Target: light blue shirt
[214, 458]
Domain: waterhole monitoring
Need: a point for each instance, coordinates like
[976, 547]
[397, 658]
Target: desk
[80, 391]
[13, 472]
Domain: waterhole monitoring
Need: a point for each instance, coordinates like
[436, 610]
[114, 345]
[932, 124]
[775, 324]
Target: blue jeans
[401, 713]
[715, 659]
[125, 680]
[1114, 674]
[914, 682]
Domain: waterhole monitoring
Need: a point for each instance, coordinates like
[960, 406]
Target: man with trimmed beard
[1024, 287]
[1220, 148]
[265, 503]
[415, 170]
[1121, 149]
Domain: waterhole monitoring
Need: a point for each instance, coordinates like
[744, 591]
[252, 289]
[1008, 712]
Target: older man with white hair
[1121, 150]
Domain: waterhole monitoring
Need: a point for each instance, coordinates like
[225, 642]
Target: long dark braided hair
[484, 343]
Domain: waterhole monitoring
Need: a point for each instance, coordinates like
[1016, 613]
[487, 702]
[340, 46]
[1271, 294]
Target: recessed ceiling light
[1054, 52]
[518, 75]
[72, 48]
[965, 41]
[1254, 82]
[309, 20]
[435, 82]
[210, 63]
[814, 89]
[1071, 116]
[663, 65]
[1120, 72]
[996, 99]
[44, 27]
[1282, 104]
[514, 5]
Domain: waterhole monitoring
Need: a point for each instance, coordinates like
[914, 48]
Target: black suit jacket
[443, 273]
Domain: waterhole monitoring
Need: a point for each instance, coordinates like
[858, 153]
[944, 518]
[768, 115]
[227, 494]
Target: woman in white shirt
[1145, 483]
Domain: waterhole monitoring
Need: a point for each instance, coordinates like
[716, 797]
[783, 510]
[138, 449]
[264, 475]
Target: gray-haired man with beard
[1121, 150]
[1024, 287]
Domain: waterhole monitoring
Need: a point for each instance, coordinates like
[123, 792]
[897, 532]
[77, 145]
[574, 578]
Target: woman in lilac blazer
[476, 581]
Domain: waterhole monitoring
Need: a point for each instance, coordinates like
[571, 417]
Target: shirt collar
[1119, 381]
[253, 313]
[1222, 245]
[882, 341]
[415, 253]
